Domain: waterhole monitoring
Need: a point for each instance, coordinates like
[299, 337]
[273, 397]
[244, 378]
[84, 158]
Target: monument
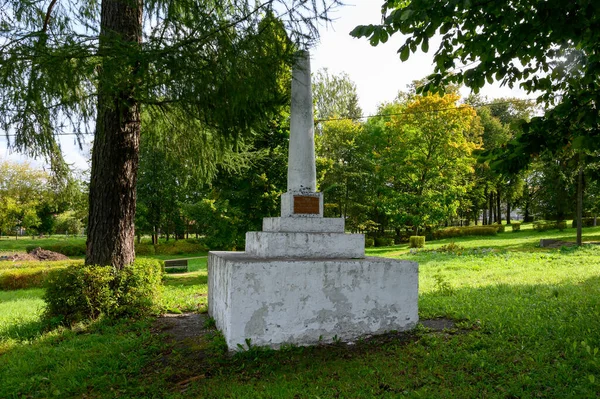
[303, 280]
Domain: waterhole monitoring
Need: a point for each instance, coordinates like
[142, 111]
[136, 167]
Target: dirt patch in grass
[181, 327]
[37, 254]
[439, 324]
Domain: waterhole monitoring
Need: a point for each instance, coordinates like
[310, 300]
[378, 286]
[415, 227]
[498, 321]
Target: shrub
[515, 226]
[144, 249]
[80, 292]
[179, 247]
[451, 232]
[369, 242]
[30, 274]
[384, 241]
[544, 225]
[585, 222]
[501, 228]
[416, 242]
[452, 247]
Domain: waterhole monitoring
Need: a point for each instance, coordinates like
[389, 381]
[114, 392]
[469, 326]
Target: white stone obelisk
[302, 174]
[302, 198]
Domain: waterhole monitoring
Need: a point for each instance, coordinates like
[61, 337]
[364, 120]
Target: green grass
[20, 316]
[187, 292]
[527, 327]
[9, 244]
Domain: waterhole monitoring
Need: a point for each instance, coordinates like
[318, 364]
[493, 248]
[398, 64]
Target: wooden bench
[176, 266]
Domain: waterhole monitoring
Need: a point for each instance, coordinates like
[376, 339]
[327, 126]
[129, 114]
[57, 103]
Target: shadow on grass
[23, 332]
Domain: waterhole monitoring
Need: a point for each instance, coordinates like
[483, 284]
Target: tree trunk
[507, 211]
[112, 195]
[579, 205]
[491, 209]
[498, 208]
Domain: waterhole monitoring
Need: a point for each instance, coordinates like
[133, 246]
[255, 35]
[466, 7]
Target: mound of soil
[21, 257]
[37, 254]
[44, 255]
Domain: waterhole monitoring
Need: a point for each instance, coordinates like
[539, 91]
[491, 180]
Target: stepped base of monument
[268, 244]
[309, 301]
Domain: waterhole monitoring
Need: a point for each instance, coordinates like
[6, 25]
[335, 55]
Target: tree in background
[424, 151]
[22, 189]
[335, 96]
[346, 175]
[32, 199]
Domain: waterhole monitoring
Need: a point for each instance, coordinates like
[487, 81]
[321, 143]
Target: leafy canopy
[548, 46]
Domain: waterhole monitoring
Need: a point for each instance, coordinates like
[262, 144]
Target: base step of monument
[308, 301]
[305, 245]
[306, 225]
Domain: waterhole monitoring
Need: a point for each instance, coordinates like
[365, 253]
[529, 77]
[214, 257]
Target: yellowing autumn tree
[424, 150]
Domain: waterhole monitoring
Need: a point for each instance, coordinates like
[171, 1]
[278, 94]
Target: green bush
[451, 232]
[501, 227]
[369, 242]
[179, 247]
[144, 249]
[384, 241]
[515, 226]
[585, 222]
[416, 242]
[80, 292]
[544, 225]
[31, 274]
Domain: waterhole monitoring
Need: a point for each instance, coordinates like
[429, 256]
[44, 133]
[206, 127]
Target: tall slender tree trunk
[498, 208]
[116, 143]
[580, 205]
[491, 209]
[508, 211]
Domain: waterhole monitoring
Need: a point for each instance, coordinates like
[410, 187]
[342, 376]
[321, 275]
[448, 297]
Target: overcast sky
[376, 71]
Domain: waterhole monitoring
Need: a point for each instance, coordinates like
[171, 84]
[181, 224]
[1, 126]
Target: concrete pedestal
[307, 301]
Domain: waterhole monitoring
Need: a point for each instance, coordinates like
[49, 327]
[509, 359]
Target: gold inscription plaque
[306, 205]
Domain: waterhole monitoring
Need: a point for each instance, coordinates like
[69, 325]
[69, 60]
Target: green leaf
[425, 45]
[404, 53]
[406, 15]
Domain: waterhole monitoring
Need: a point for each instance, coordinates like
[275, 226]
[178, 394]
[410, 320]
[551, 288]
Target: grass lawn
[10, 244]
[526, 327]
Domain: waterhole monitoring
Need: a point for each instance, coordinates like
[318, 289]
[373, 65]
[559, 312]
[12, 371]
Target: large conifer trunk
[110, 239]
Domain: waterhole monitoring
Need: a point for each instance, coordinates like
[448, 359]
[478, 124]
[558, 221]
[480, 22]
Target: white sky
[377, 71]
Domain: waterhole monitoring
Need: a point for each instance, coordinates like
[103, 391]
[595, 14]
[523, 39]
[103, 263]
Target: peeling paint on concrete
[307, 301]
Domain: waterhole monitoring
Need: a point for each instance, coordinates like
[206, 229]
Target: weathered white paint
[308, 225]
[287, 204]
[305, 245]
[302, 175]
[307, 301]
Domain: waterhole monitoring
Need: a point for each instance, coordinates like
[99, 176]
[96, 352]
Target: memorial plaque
[306, 205]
